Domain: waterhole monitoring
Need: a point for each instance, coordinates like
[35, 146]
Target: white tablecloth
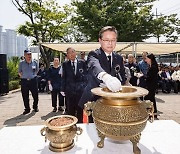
[159, 137]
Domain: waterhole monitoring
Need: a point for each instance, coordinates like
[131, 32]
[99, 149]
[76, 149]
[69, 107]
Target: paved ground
[11, 108]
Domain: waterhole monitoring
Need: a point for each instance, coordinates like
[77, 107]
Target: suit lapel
[77, 68]
[114, 62]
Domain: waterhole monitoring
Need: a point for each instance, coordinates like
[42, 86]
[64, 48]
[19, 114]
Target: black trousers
[32, 86]
[73, 108]
[54, 94]
[176, 85]
[151, 96]
[41, 85]
[142, 82]
[166, 85]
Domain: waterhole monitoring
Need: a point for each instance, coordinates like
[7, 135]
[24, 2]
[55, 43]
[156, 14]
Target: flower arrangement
[133, 69]
[176, 75]
[138, 75]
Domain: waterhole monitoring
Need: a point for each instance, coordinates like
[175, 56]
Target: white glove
[112, 83]
[50, 87]
[102, 85]
[62, 93]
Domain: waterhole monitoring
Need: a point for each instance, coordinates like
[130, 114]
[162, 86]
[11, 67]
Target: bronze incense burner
[121, 115]
[60, 131]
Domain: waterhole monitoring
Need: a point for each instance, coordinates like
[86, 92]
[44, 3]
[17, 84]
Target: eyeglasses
[109, 41]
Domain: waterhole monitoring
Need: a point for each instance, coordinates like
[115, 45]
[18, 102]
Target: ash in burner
[61, 121]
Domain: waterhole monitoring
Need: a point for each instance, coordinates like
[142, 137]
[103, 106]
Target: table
[159, 137]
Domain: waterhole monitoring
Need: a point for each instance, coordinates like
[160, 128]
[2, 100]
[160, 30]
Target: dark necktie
[109, 62]
[73, 66]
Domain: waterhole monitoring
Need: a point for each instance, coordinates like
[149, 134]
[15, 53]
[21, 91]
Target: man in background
[82, 56]
[143, 66]
[133, 69]
[28, 69]
[73, 83]
[42, 78]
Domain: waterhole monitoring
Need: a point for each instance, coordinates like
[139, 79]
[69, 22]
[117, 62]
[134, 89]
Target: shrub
[14, 84]
[12, 65]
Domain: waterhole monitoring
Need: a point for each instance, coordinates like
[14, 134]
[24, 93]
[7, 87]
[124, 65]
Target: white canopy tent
[135, 48]
[123, 47]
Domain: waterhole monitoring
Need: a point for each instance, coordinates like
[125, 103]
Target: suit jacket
[73, 83]
[133, 68]
[152, 78]
[54, 77]
[164, 75]
[42, 75]
[97, 62]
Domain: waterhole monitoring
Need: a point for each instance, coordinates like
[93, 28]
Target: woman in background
[54, 83]
[152, 81]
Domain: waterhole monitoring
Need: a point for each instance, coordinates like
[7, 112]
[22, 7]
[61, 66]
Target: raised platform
[159, 137]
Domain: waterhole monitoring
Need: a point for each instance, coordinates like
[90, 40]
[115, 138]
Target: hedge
[14, 84]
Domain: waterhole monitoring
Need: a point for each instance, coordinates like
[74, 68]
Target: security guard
[28, 69]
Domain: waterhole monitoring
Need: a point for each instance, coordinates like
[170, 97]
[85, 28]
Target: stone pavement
[11, 108]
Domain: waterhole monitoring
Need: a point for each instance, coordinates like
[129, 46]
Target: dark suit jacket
[97, 62]
[54, 77]
[73, 83]
[133, 68]
[152, 78]
[163, 74]
[42, 75]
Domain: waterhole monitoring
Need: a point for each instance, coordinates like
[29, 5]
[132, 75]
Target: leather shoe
[36, 110]
[164, 91]
[26, 112]
[55, 109]
[60, 108]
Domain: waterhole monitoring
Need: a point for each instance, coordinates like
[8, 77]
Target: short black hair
[107, 28]
[82, 53]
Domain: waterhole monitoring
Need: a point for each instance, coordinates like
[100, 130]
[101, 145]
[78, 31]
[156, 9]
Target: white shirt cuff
[100, 75]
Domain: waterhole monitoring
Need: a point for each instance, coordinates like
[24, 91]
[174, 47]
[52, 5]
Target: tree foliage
[12, 66]
[132, 18]
[168, 26]
[48, 22]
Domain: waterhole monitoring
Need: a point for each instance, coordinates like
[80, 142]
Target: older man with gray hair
[133, 69]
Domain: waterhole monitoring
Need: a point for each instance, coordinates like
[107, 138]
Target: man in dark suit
[42, 78]
[133, 69]
[73, 83]
[104, 66]
[166, 80]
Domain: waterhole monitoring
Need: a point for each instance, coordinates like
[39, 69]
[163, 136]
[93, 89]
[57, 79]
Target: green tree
[166, 26]
[132, 18]
[48, 22]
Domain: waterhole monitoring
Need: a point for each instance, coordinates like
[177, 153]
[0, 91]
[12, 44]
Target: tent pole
[135, 50]
[39, 53]
[177, 59]
[60, 58]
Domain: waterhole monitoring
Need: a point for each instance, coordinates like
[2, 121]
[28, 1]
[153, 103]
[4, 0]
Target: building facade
[11, 44]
